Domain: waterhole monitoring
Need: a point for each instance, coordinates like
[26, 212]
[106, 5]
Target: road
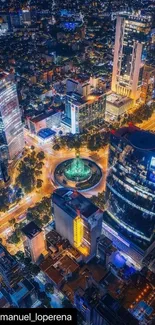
[149, 124]
[52, 159]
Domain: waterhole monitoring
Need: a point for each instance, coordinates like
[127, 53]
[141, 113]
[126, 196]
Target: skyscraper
[131, 39]
[78, 220]
[11, 129]
[130, 189]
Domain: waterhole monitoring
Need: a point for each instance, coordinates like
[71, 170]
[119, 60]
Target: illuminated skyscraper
[78, 220]
[131, 39]
[11, 129]
[130, 218]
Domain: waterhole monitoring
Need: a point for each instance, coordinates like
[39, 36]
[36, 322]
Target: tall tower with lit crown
[130, 50]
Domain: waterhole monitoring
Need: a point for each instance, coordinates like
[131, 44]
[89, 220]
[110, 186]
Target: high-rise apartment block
[131, 40]
[11, 128]
[34, 242]
[78, 220]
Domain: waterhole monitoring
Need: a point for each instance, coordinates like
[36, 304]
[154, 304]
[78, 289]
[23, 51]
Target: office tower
[33, 240]
[11, 129]
[83, 112]
[77, 220]
[130, 217]
[131, 40]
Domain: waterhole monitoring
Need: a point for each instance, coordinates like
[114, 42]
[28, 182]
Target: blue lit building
[130, 192]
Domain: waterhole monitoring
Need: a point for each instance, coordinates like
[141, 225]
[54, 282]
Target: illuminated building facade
[117, 106]
[130, 191]
[130, 51]
[11, 128]
[83, 112]
[77, 220]
[34, 242]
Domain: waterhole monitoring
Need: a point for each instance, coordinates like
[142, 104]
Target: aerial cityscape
[77, 158]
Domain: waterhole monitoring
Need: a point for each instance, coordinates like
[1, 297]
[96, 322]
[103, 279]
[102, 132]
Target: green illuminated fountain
[77, 170]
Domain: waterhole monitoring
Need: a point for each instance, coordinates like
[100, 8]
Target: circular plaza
[78, 173]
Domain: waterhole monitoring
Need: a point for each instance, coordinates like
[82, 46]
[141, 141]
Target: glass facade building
[11, 128]
[131, 40]
[130, 188]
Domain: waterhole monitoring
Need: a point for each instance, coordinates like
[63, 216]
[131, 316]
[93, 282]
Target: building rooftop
[43, 116]
[142, 140]
[4, 303]
[117, 100]
[46, 133]
[112, 284]
[90, 295]
[7, 262]
[62, 265]
[68, 265]
[113, 312]
[92, 269]
[73, 203]
[54, 275]
[80, 100]
[138, 138]
[22, 289]
[31, 230]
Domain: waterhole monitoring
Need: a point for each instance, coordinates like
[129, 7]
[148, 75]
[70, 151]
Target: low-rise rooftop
[43, 116]
[117, 100]
[31, 230]
[74, 202]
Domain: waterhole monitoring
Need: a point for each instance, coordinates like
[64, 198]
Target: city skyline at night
[77, 161]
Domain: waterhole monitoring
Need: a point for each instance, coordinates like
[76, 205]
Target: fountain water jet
[77, 170]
